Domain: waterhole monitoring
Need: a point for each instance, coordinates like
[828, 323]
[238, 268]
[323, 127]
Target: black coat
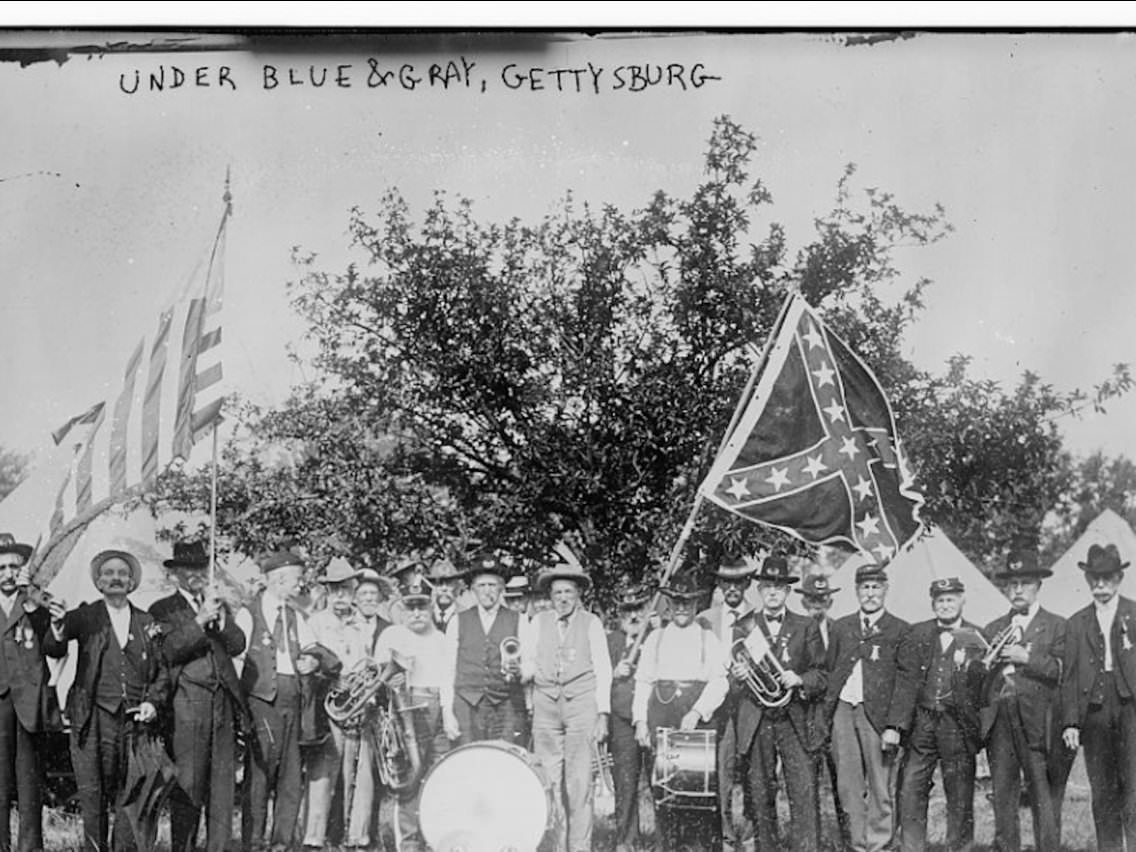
[27, 675]
[1036, 682]
[1084, 657]
[878, 652]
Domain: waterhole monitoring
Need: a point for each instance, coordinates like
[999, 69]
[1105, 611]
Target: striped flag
[171, 394]
[815, 452]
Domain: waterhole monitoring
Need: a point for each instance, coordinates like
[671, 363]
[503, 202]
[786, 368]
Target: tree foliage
[13, 470]
[516, 383]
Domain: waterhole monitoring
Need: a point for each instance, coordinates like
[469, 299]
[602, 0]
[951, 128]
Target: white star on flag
[779, 478]
[738, 489]
[813, 337]
[869, 525]
[815, 466]
[835, 412]
[848, 448]
[883, 551]
[824, 375]
[863, 488]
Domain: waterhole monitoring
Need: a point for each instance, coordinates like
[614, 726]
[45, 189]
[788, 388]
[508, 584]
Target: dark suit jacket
[183, 641]
[27, 675]
[915, 661]
[89, 624]
[799, 649]
[878, 653]
[1084, 657]
[1036, 682]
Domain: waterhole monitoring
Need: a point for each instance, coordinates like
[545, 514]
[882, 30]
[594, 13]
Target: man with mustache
[1018, 703]
[1097, 697]
[121, 680]
[199, 641]
[28, 706]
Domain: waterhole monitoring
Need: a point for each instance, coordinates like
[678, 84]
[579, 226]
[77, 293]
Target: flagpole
[227, 197]
[699, 497]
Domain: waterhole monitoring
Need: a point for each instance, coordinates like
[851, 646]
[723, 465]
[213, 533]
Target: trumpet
[511, 657]
[601, 766]
[1011, 634]
[763, 675]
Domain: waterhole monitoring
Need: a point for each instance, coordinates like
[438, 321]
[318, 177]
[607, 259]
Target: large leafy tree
[515, 383]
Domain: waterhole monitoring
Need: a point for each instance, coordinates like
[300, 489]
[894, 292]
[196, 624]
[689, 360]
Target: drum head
[484, 796]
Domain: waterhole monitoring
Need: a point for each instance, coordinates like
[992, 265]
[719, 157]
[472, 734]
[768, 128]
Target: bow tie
[1019, 612]
[774, 619]
[946, 628]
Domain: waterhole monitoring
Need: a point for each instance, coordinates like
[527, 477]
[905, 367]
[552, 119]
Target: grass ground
[62, 830]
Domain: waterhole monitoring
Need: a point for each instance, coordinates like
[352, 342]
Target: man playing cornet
[199, 641]
[1019, 696]
[564, 653]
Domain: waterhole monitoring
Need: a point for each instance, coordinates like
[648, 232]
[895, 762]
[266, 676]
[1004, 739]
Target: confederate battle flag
[815, 452]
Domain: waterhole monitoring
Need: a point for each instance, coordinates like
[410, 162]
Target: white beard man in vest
[564, 653]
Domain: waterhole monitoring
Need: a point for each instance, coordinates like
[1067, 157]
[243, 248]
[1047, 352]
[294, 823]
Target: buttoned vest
[478, 671]
[258, 678]
[563, 664]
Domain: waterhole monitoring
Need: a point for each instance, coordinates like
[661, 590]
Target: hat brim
[748, 575]
[186, 563]
[778, 578]
[417, 600]
[1096, 569]
[808, 593]
[546, 580]
[129, 558]
[1035, 574]
[23, 550]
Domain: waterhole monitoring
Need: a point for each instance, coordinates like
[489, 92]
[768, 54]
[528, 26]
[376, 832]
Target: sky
[110, 196]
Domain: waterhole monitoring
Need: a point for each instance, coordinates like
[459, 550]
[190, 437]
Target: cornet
[763, 675]
[511, 657]
[1011, 634]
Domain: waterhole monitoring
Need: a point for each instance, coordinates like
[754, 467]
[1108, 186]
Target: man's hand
[739, 670]
[791, 679]
[623, 669]
[450, 723]
[209, 613]
[890, 739]
[306, 664]
[397, 681]
[1072, 738]
[145, 712]
[1015, 654]
[690, 721]
[58, 609]
[642, 735]
[600, 729]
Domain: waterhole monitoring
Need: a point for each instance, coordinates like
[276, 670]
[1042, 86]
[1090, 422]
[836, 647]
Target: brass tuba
[394, 741]
[1011, 634]
[763, 675]
[352, 700]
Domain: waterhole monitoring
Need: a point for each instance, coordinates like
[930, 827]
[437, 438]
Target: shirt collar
[1028, 615]
[873, 618]
[1108, 608]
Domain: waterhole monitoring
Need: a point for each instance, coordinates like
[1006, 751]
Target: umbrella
[150, 776]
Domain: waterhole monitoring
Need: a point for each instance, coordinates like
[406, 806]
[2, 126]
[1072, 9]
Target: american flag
[171, 394]
[815, 451]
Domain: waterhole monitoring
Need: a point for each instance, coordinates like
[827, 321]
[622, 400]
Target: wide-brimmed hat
[384, 584]
[517, 587]
[444, 570]
[816, 586]
[488, 562]
[8, 544]
[947, 585]
[735, 568]
[633, 597]
[775, 569]
[188, 554]
[1021, 563]
[567, 567]
[1103, 560]
[684, 588]
[129, 558]
[871, 571]
[338, 570]
[279, 559]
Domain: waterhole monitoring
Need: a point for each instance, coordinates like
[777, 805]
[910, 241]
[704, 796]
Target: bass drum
[485, 797]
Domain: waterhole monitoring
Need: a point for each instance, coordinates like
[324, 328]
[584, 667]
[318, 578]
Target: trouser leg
[957, 765]
[626, 763]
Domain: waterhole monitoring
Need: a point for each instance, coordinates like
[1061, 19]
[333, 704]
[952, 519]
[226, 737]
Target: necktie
[867, 626]
[198, 600]
[278, 629]
[731, 617]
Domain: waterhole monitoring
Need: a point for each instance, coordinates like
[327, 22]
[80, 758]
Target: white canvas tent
[909, 582]
[1066, 591]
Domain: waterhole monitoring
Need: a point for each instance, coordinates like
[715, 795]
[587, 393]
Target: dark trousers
[432, 745]
[1109, 740]
[203, 749]
[1059, 763]
[1010, 757]
[503, 720]
[21, 767]
[626, 769]
[776, 738]
[679, 828]
[937, 739]
[98, 757]
[273, 769]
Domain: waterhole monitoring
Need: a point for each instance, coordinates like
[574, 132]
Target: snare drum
[485, 797]
[686, 768]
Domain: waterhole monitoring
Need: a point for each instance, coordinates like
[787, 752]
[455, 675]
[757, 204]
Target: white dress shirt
[1106, 615]
[853, 689]
[682, 653]
[270, 605]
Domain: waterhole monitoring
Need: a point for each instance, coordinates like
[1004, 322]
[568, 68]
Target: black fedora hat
[736, 568]
[684, 588]
[816, 586]
[8, 544]
[188, 554]
[1021, 562]
[775, 569]
[1102, 561]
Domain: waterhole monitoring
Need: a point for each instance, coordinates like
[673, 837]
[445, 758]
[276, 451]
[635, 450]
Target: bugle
[511, 657]
[1011, 634]
[764, 675]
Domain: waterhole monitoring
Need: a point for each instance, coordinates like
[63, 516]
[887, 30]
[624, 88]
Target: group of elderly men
[868, 701]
